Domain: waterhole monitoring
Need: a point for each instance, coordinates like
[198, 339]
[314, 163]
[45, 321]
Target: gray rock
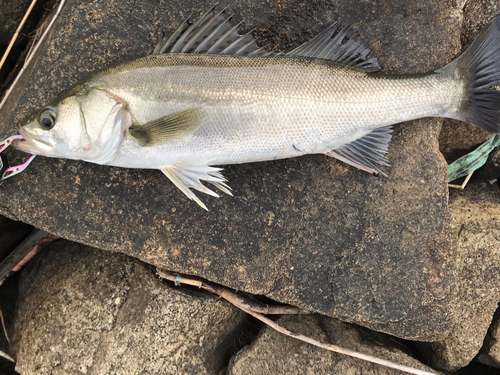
[476, 222]
[91, 312]
[309, 231]
[274, 353]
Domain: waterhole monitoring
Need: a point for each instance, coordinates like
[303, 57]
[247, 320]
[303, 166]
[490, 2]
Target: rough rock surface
[308, 231]
[274, 353]
[476, 222]
[87, 311]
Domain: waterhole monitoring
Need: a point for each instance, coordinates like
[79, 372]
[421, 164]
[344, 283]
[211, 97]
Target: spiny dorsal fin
[187, 177]
[363, 151]
[167, 129]
[214, 34]
[339, 44]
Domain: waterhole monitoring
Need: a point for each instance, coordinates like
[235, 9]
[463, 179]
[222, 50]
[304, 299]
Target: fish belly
[268, 111]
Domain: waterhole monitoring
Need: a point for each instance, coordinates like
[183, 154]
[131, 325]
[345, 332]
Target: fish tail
[479, 67]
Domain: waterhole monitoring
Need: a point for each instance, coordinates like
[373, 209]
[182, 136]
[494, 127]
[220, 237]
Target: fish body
[257, 109]
[216, 98]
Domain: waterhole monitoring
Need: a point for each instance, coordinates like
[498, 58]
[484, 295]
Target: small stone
[273, 352]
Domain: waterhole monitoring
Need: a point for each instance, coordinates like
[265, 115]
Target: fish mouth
[32, 144]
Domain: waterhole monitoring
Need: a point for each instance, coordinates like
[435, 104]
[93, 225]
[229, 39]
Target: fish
[208, 96]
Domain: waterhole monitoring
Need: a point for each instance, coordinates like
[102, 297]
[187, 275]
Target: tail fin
[480, 64]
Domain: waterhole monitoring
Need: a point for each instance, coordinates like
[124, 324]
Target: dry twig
[16, 34]
[232, 297]
[22, 254]
[463, 183]
[244, 305]
[6, 356]
[33, 52]
[3, 326]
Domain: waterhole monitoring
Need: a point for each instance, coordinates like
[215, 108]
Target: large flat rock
[308, 231]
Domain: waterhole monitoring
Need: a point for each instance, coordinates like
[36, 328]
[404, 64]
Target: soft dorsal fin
[365, 151]
[339, 44]
[214, 34]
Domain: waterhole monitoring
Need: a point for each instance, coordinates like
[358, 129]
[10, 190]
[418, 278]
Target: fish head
[87, 125]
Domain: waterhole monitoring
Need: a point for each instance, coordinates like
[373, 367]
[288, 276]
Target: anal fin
[364, 152]
[187, 177]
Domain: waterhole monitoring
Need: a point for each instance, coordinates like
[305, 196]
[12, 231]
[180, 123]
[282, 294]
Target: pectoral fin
[167, 129]
[186, 177]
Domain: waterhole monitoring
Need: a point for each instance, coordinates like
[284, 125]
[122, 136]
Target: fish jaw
[34, 144]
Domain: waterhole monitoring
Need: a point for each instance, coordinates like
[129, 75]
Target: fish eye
[47, 118]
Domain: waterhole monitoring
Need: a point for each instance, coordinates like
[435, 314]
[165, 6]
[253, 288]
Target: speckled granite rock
[308, 231]
[87, 311]
[274, 353]
[476, 220]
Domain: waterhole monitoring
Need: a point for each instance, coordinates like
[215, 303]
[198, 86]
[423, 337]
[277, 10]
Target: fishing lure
[6, 171]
